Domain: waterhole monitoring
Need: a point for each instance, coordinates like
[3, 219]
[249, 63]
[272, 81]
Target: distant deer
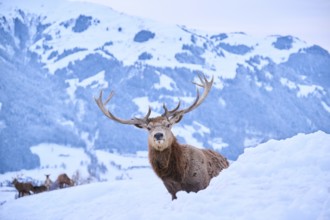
[39, 189]
[23, 188]
[48, 181]
[63, 180]
[180, 166]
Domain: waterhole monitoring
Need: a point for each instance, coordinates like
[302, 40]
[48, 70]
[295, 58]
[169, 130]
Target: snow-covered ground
[285, 179]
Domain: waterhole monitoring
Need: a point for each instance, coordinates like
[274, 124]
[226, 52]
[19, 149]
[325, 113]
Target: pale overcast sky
[308, 20]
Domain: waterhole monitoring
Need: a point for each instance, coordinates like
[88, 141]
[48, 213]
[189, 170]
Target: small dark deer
[180, 166]
[39, 189]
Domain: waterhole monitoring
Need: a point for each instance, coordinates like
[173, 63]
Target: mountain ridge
[275, 87]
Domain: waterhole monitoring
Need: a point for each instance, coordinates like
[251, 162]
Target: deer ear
[175, 119]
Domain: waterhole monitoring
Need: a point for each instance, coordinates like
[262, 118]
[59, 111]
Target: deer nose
[158, 136]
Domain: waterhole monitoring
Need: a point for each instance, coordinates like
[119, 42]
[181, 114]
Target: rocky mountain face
[55, 57]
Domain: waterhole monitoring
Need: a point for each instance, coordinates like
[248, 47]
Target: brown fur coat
[184, 167]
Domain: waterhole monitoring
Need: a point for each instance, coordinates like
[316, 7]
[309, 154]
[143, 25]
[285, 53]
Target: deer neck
[167, 162]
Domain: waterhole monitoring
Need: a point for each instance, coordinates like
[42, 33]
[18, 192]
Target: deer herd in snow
[27, 188]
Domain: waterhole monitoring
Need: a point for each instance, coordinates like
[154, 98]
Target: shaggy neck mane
[167, 163]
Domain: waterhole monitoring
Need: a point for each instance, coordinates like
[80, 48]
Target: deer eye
[149, 128]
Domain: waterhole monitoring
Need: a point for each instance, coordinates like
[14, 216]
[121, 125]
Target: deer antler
[143, 122]
[207, 85]
[140, 122]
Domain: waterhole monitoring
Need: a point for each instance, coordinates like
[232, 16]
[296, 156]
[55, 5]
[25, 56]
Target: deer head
[159, 128]
[14, 181]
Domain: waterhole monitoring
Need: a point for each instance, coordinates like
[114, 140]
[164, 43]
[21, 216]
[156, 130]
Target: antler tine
[146, 117]
[101, 105]
[204, 83]
[165, 111]
[207, 85]
[176, 108]
[106, 112]
[168, 113]
[109, 97]
[202, 79]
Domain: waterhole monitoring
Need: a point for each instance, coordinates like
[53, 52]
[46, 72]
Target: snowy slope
[55, 56]
[287, 179]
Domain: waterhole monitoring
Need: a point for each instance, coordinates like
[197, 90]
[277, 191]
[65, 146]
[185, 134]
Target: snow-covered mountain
[278, 180]
[55, 56]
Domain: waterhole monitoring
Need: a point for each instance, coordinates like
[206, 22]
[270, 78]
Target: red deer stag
[63, 180]
[180, 166]
[23, 188]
